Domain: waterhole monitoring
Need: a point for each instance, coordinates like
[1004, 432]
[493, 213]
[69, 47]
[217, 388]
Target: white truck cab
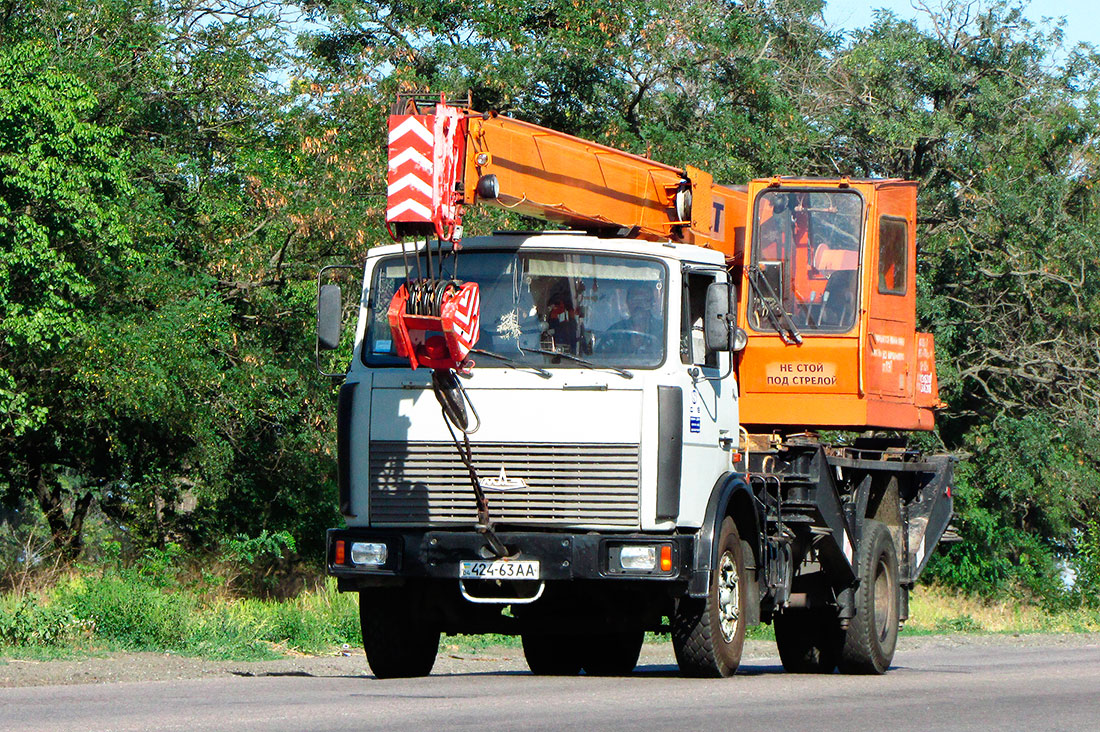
[571, 385]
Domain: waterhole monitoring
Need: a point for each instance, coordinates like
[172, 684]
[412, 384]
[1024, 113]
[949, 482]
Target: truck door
[889, 351]
[709, 410]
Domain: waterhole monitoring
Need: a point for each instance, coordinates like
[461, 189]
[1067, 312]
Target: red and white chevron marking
[462, 313]
[411, 170]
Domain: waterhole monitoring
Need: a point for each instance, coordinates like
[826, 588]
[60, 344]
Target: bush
[1019, 499]
[1086, 566]
[264, 564]
[24, 622]
[130, 611]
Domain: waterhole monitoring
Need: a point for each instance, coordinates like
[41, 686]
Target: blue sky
[1081, 15]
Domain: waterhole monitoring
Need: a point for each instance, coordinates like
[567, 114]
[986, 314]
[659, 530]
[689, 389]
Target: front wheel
[613, 653]
[809, 641]
[709, 633]
[398, 637]
[872, 633]
[552, 654]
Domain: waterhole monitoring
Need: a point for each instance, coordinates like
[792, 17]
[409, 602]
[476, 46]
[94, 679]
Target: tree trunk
[67, 534]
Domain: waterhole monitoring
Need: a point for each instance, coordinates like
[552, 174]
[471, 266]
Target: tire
[551, 654]
[809, 641]
[709, 633]
[398, 638]
[872, 634]
[611, 654]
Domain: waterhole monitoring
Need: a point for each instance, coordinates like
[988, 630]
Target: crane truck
[580, 435]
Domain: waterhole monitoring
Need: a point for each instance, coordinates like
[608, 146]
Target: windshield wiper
[584, 361]
[778, 317]
[512, 362]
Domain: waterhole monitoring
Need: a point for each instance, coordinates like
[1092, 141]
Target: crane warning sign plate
[801, 373]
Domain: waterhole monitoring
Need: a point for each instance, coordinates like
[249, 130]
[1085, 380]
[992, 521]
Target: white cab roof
[566, 240]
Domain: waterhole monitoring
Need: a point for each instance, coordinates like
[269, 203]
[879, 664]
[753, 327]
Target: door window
[693, 348]
[893, 250]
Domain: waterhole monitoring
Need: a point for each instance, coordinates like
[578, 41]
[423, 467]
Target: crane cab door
[889, 347]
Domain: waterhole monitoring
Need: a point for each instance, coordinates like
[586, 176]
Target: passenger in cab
[641, 330]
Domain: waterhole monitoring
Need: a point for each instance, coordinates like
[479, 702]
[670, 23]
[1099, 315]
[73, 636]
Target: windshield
[608, 310]
[806, 255]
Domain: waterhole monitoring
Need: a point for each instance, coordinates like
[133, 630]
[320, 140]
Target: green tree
[62, 184]
[1002, 135]
[703, 82]
[156, 315]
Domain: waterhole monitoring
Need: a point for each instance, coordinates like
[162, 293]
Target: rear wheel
[809, 641]
[872, 633]
[709, 633]
[398, 637]
[611, 654]
[552, 654]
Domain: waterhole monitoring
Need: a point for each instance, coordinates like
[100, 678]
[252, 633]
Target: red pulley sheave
[438, 340]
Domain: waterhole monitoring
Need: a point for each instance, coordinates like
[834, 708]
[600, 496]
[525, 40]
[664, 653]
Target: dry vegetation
[934, 609]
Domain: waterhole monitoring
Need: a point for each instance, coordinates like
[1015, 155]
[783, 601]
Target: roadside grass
[112, 611]
[199, 613]
[935, 610]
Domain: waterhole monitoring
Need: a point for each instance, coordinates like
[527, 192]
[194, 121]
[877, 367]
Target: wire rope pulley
[435, 323]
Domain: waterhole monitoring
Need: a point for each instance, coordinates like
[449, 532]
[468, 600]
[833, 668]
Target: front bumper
[562, 556]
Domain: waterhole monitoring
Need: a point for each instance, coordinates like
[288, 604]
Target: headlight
[642, 558]
[370, 553]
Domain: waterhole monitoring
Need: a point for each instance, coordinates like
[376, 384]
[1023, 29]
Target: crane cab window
[893, 249]
[805, 260]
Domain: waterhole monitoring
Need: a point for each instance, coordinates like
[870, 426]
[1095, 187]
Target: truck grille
[418, 483]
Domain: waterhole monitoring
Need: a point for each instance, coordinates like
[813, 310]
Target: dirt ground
[124, 667]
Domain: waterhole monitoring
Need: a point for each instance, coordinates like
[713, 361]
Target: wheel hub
[883, 600]
[729, 597]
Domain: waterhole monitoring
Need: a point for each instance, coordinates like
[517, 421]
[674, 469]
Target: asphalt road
[976, 685]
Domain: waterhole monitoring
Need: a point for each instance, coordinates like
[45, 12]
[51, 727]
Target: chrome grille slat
[583, 485]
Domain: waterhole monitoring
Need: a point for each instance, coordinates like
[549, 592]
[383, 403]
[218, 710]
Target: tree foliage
[156, 325]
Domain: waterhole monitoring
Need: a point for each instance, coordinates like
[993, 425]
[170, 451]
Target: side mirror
[329, 317]
[718, 324]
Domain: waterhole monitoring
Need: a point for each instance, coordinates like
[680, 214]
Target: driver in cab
[640, 331]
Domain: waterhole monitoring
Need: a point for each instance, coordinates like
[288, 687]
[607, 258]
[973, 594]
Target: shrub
[25, 622]
[264, 563]
[1086, 565]
[130, 611]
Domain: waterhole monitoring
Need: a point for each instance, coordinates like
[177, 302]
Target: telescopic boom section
[557, 177]
[552, 176]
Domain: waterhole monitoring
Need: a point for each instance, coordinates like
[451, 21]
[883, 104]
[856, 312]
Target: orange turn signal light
[339, 554]
[666, 558]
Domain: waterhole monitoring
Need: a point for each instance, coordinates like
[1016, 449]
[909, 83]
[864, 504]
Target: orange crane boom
[557, 177]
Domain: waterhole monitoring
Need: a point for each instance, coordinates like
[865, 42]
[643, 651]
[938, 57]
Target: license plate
[499, 569]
